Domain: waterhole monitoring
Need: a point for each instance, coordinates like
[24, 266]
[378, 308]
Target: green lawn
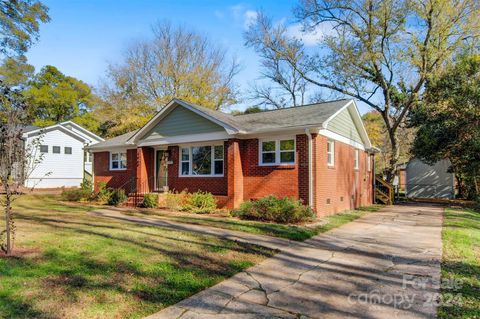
[71, 264]
[461, 263]
[293, 232]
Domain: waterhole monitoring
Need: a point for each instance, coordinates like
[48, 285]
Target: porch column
[145, 169]
[234, 174]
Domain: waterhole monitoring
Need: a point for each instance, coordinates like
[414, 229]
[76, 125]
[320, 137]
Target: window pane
[114, 157]
[44, 148]
[123, 164]
[184, 154]
[123, 156]
[115, 165]
[288, 145]
[219, 152]
[185, 168]
[268, 146]
[202, 160]
[287, 157]
[218, 167]
[68, 150]
[56, 149]
[268, 158]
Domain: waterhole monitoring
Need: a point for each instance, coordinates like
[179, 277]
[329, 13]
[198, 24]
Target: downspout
[310, 168]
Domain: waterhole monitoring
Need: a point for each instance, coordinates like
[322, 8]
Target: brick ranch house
[319, 153]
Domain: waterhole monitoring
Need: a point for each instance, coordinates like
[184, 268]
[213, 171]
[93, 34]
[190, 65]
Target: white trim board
[204, 137]
[341, 138]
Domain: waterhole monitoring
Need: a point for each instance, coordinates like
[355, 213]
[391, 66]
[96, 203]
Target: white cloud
[250, 17]
[310, 38]
[242, 15]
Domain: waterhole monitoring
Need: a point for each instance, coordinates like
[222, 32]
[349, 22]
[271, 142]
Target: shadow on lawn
[66, 274]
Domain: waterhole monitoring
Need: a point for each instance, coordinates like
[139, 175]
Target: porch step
[134, 200]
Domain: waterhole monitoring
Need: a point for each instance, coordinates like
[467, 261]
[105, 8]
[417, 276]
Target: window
[87, 157]
[277, 152]
[218, 160]
[67, 150]
[185, 160]
[118, 161]
[369, 168]
[43, 148]
[56, 149]
[202, 160]
[355, 163]
[330, 153]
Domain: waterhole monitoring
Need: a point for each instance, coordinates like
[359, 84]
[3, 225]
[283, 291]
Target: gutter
[310, 168]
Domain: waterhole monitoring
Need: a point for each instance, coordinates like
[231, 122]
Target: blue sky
[84, 36]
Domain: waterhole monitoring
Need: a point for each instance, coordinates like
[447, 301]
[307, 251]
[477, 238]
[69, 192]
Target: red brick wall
[145, 169]
[214, 185]
[281, 180]
[114, 179]
[340, 187]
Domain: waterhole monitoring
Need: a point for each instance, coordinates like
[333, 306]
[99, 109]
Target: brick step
[132, 198]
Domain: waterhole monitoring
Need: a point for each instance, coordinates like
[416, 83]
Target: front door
[161, 170]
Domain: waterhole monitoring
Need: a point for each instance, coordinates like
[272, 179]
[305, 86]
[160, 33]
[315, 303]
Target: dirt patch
[20, 252]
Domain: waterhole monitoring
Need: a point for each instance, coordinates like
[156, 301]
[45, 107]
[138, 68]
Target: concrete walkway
[384, 265]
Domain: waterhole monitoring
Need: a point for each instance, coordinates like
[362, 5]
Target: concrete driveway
[384, 265]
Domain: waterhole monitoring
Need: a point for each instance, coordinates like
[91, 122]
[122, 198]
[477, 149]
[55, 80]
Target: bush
[273, 209]
[117, 197]
[104, 193]
[76, 195]
[200, 203]
[150, 200]
[175, 200]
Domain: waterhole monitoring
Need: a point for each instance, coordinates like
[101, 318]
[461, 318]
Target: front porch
[212, 167]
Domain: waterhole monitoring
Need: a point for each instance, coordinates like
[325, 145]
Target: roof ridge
[291, 107]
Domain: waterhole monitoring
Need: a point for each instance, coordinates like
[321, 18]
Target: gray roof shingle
[299, 116]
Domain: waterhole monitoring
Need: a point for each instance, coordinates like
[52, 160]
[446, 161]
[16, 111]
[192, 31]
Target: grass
[293, 232]
[461, 264]
[71, 264]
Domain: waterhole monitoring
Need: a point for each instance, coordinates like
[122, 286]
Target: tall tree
[377, 133]
[448, 122]
[55, 97]
[19, 24]
[380, 52]
[176, 63]
[15, 71]
[287, 86]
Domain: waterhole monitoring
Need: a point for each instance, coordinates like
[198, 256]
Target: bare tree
[380, 52]
[176, 63]
[17, 160]
[277, 52]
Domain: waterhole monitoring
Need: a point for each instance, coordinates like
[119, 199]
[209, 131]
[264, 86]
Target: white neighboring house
[65, 161]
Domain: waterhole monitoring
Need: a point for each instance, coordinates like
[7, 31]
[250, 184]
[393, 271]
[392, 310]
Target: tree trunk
[395, 155]
[8, 229]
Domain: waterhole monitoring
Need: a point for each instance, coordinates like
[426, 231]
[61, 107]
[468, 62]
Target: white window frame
[331, 144]
[119, 161]
[190, 158]
[356, 159]
[277, 151]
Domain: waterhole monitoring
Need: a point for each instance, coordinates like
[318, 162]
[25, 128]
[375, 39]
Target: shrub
[150, 200]
[175, 200]
[200, 203]
[104, 193]
[117, 197]
[87, 185]
[271, 208]
[76, 195]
